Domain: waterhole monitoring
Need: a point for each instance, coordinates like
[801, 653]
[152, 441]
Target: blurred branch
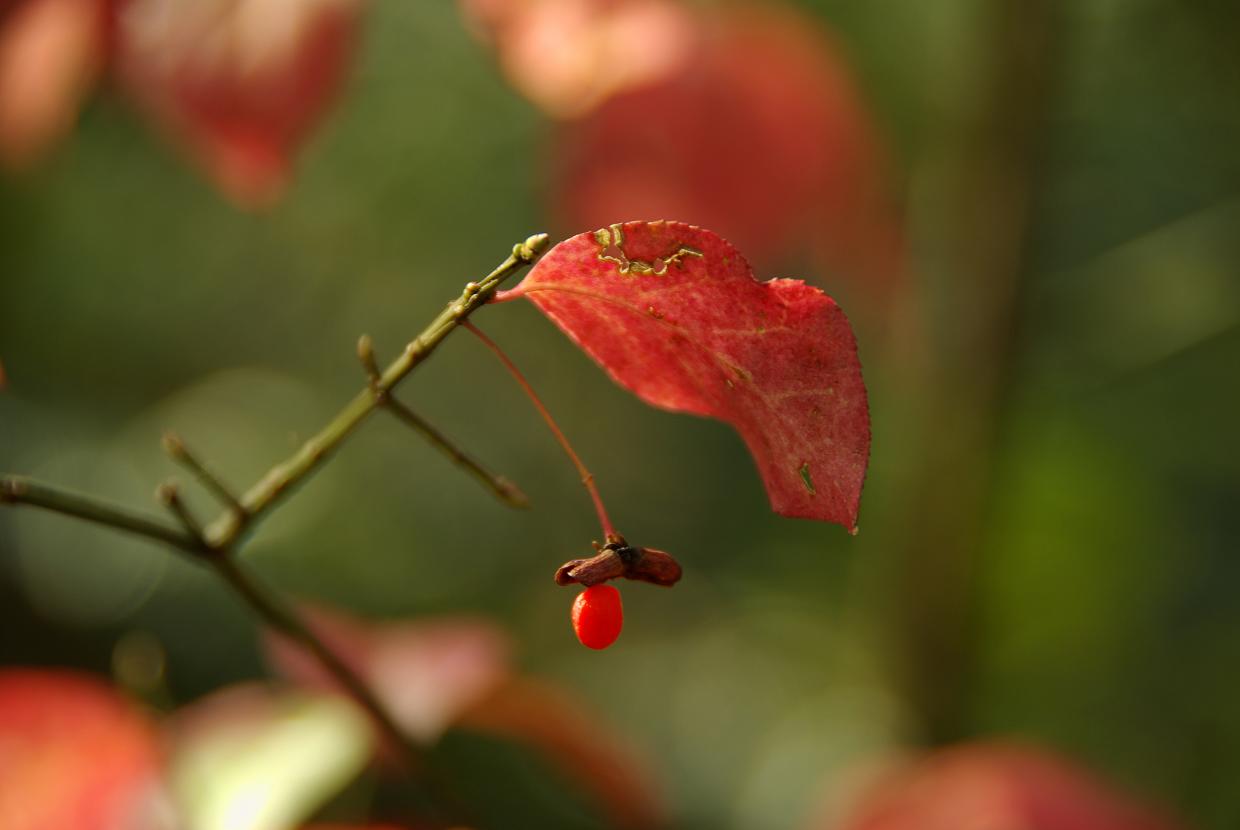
[283, 619]
[960, 374]
[215, 545]
[169, 494]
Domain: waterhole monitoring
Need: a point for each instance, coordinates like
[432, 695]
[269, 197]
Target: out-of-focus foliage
[50, 53]
[241, 85]
[74, 753]
[995, 785]
[251, 758]
[134, 298]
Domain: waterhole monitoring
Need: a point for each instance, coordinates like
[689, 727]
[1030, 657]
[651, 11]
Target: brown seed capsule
[617, 559]
[655, 566]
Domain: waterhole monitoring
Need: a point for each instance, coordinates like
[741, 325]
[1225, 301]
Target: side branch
[503, 489]
[18, 490]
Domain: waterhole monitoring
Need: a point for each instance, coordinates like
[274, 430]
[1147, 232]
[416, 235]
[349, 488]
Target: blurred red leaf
[50, 53]
[572, 737]
[567, 56]
[997, 786]
[761, 135]
[694, 332]
[73, 754]
[426, 672]
[241, 83]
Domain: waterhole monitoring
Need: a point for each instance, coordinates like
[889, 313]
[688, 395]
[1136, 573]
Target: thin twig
[587, 478]
[169, 495]
[19, 490]
[178, 452]
[503, 488]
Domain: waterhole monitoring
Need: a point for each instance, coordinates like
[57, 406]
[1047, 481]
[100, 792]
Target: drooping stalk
[587, 478]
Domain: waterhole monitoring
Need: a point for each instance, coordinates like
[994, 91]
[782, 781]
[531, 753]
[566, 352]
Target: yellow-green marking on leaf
[805, 478]
[611, 249]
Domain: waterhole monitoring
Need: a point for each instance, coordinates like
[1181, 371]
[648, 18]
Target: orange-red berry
[598, 616]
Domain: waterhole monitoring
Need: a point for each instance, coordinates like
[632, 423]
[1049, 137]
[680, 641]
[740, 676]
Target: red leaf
[675, 315]
[73, 754]
[241, 83]
[997, 785]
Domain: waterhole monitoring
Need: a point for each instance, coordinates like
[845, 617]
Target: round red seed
[598, 616]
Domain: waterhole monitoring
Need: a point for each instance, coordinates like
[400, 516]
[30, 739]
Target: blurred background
[1030, 211]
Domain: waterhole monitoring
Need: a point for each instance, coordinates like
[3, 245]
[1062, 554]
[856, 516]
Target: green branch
[293, 471]
[216, 544]
[17, 490]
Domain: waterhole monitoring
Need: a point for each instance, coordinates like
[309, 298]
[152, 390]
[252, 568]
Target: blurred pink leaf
[998, 787]
[567, 56]
[673, 313]
[446, 673]
[74, 754]
[50, 54]
[426, 672]
[240, 83]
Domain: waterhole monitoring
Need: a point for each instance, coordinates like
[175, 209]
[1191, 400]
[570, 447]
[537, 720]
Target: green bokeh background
[1104, 616]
